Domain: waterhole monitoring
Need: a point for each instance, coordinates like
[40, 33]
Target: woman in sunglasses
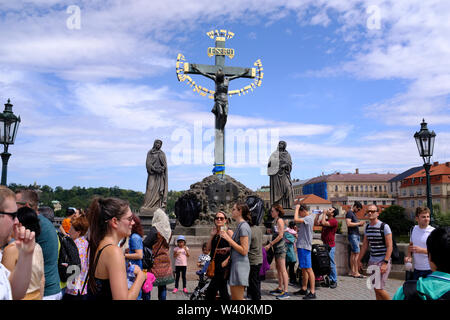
[219, 251]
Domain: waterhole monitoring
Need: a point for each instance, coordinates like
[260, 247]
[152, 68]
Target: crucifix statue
[221, 75]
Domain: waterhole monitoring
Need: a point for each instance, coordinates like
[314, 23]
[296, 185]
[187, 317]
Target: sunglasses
[371, 211]
[13, 215]
[219, 218]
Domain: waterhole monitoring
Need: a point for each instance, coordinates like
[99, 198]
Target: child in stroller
[203, 261]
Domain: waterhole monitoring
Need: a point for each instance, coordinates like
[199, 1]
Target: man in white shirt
[418, 244]
[14, 285]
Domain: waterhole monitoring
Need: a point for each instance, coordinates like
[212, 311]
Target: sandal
[360, 276]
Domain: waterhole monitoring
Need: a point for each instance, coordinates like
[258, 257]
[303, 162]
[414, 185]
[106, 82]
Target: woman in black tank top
[110, 221]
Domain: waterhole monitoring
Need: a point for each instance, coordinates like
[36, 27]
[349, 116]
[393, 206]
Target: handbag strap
[160, 245]
[217, 245]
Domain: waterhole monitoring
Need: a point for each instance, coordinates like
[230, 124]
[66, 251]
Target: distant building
[339, 185]
[297, 186]
[349, 200]
[396, 182]
[413, 189]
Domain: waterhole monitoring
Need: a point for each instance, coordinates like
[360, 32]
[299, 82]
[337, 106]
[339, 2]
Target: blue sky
[346, 84]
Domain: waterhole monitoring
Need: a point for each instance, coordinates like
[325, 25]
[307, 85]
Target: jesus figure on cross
[220, 108]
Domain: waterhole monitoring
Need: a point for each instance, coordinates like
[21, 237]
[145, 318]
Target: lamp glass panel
[7, 132]
[425, 144]
[16, 127]
[2, 132]
[431, 145]
[419, 146]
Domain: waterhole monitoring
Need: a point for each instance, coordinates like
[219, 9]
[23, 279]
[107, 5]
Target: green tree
[397, 220]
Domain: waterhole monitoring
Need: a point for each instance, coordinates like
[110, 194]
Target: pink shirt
[181, 259]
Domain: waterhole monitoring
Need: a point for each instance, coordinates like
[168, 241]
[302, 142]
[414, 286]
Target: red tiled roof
[435, 170]
[310, 199]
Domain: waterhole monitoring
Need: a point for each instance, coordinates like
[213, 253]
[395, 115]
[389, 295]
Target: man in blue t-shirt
[48, 240]
[353, 225]
[305, 225]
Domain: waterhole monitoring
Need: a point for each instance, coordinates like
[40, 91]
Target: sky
[346, 84]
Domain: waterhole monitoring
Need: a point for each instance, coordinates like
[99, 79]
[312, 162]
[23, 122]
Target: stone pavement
[348, 289]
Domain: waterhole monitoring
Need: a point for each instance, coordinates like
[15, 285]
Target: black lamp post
[9, 123]
[425, 145]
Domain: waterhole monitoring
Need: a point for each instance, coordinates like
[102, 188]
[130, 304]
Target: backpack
[148, 258]
[68, 256]
[395, 255]
[411, 293]
[320, 259]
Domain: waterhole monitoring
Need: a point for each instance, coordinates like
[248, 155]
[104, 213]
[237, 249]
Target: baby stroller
[203, 283]
[321, 264]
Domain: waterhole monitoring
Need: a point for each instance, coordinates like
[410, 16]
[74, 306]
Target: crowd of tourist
[99, 254]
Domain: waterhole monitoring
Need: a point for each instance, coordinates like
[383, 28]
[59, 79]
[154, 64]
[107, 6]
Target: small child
[180, 254]
[203, 261]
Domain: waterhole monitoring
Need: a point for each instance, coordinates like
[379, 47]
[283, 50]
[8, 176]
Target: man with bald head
[379, 236]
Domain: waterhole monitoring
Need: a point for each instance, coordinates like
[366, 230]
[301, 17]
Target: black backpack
[147, 259]
[411, 293]
[68, 256]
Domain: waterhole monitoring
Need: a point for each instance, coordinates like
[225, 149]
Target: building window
[335, 188]
[412, 203]
[366, 188]
[346, 188]
[365, 203]
[404, 203]
[384, 202]
[375, 188]
[419, 191]
[351, 188]
[436, 189]
[420, 203]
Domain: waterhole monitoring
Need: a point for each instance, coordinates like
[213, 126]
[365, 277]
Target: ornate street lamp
[9, 123]
[425, 145]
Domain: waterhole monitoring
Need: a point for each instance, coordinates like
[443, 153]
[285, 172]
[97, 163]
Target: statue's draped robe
[157, 184]
[281, 191]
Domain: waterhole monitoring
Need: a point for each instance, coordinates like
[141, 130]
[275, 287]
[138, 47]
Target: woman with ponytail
[110, 221]
[240, 243]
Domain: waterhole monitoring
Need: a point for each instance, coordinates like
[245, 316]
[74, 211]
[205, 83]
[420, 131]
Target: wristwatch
[385, 261]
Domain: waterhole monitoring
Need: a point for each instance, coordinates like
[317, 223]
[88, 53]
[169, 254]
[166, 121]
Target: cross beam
[212, 69]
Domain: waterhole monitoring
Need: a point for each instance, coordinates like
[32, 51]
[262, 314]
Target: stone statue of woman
[157, 182]
[279, 170]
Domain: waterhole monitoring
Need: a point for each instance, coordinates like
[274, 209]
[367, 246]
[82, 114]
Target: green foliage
[81, 197]
[397, 220]
[441, 219]
[339, 228]
[172, 197]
